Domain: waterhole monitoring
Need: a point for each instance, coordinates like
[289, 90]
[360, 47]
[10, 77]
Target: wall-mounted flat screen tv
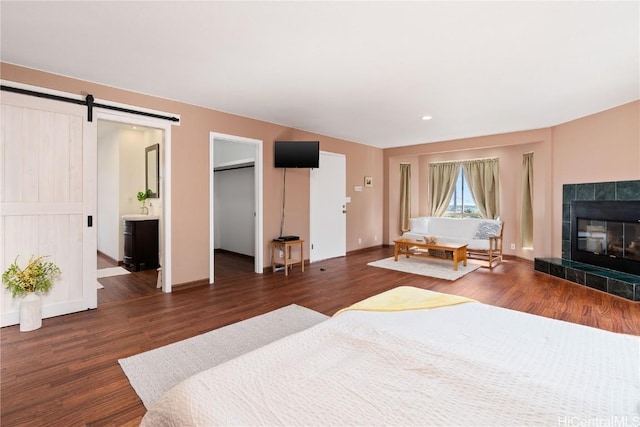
[296, 154]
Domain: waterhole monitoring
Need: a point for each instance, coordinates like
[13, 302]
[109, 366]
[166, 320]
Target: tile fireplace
[600, 238]
[606, 234]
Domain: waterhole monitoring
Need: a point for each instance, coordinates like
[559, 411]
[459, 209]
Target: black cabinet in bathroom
[141, 250]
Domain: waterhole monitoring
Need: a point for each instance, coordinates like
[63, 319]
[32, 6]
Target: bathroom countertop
[139, 217]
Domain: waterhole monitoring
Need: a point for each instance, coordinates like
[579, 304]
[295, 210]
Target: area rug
[432, 267]
[154, 372]
[112, 271]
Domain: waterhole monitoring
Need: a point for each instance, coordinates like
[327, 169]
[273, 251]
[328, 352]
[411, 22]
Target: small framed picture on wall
[368, 181]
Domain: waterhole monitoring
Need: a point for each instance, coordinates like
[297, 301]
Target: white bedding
[468, 364]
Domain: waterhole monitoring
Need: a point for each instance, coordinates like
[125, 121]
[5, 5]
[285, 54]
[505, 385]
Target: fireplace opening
[606, 234]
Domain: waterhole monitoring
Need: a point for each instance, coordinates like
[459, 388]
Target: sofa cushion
[478, 245]
[474, 232]
[488, 229]
[462, 228]
[419, 225]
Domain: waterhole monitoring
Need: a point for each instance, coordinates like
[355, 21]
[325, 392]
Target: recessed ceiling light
[426, 117]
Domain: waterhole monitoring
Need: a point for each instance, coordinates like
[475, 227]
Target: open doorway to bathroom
[124, 170]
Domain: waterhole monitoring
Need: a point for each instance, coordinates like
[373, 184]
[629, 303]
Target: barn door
[48, 198]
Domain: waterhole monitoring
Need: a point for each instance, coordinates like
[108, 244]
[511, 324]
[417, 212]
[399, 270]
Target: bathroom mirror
[152, 169]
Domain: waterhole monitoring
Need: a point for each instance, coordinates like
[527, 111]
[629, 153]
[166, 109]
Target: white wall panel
[60, 159]
[11, 131]
[235, 207]
[76, 153]
[29, 176]
[60, 252]
[48, 143]
[74, 247]
[108, 222]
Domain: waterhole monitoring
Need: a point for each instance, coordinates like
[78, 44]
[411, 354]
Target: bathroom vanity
[141, 250]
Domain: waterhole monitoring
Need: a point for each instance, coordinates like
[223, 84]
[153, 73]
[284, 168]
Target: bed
[415, 357]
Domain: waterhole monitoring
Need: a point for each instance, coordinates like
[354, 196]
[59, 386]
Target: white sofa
[483, 237]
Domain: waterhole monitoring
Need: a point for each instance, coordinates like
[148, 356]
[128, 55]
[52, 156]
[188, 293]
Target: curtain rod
[465, 160]
[222, 169]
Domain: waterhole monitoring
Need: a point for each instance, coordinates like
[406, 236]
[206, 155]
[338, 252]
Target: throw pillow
[487, 229]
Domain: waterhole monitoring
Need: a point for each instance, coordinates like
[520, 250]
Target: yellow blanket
[406, 298]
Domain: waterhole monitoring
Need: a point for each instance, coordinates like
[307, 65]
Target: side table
[286, 260]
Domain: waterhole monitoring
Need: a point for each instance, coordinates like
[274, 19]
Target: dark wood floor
[67, 372]
[142, 283]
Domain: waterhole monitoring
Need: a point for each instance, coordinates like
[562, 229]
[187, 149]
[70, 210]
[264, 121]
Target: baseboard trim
[268, 270]
[191, 284]
[225, 251]
[118, 263]
[357, 251]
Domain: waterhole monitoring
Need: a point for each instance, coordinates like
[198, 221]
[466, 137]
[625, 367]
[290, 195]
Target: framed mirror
[152, 170]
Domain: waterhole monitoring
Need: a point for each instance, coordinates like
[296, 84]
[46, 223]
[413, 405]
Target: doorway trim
[258, 238]
[165, 181]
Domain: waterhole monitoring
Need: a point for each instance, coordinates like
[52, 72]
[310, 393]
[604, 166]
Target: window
[462, 204]
[451, 195]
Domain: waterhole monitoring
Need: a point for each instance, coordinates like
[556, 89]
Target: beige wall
[364, 212]
[508, 148]
[597, 148]
[190, 173]
[600, 147]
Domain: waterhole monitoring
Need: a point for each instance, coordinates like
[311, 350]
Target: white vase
[30, 312]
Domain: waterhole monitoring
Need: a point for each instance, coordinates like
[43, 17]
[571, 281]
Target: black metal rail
[88, 101]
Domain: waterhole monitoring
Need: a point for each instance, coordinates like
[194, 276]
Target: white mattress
[469, 364]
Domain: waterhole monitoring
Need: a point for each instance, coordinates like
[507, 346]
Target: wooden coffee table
[420, 248]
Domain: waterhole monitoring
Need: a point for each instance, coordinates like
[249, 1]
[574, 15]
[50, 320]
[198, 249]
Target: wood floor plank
[67, 372]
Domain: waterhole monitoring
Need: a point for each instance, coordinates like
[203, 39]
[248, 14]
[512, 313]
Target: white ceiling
[361, 71]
